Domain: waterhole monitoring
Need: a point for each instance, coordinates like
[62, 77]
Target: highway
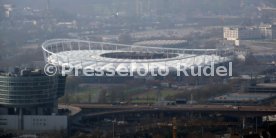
[195, 115]
[118, 109]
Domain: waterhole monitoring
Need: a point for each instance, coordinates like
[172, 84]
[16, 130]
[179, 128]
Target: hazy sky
[87, 6]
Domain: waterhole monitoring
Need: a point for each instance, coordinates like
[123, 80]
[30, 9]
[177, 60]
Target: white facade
[270, 118]
[33, 122]
[230, 33]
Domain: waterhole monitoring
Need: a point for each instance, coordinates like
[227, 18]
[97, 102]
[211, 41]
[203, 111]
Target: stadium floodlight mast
[74, 56]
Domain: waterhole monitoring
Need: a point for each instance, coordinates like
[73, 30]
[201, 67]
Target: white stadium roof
[82, 54]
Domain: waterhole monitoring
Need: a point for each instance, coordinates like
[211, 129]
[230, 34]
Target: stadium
[81, 54]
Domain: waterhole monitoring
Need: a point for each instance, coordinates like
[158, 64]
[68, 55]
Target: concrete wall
[9, 122]
[34, 123]
[42, 123]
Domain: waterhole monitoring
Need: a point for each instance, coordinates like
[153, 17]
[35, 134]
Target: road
[73, 109]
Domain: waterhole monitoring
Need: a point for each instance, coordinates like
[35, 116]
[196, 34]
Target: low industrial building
[263, 88]
[244, 98]
[242, 82]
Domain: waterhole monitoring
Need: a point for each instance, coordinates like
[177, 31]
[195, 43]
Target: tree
[102, 96]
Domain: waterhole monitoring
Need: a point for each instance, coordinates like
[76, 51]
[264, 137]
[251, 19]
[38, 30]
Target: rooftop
[248, 77]
[267, 85]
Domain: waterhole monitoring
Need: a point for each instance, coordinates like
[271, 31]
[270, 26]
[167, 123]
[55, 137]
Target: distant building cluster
[163, 43]
[264, 31]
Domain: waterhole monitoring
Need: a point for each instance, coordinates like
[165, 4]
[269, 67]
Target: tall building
[48, 5]
[143, 7]
[266, 31]
[249, 33]
[273, 31]
[28, 101]
[8, 10]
